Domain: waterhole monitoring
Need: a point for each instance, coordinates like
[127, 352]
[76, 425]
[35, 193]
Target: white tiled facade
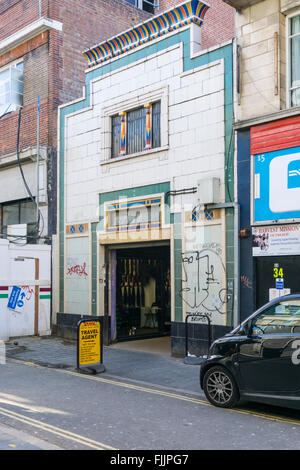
[193, 148]
[192, 132]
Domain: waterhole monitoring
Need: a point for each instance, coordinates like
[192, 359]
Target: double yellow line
[164, 393]
[55, 430]
[189, 399]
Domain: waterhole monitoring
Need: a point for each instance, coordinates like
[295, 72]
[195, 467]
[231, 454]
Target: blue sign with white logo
[279, 283]
[294, 174]
[16, 299]
[277, 185]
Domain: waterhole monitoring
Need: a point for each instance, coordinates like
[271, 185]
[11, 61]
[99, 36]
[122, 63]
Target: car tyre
[220, 387]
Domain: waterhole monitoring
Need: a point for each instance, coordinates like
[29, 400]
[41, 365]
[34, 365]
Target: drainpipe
[38, 165]
[236, 303]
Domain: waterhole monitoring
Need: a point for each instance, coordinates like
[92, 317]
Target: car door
[267, 358]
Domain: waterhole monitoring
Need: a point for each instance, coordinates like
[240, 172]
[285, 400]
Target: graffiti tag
[203, 288]
[78, 270]
[246, 281]
[28, 291]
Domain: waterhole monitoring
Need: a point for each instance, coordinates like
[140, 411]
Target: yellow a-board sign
[89, 346]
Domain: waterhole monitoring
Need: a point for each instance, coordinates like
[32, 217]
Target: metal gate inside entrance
[141, 293]
[276, 276]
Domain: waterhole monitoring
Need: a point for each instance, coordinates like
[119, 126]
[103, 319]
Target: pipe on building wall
[38, 165]
[180, 192]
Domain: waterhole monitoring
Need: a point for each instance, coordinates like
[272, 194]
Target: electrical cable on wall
[180, 192]
[40, 216]
[21, 237]
[16, 237]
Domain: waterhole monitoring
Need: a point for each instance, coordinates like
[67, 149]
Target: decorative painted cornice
[192, 11]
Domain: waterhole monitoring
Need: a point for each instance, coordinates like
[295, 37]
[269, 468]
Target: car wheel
[220, 388]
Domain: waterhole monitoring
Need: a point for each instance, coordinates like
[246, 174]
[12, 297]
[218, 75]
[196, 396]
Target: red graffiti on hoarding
[29, 292]
[78, 270]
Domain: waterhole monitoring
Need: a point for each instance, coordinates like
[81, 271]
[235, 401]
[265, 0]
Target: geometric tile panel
[77, 229]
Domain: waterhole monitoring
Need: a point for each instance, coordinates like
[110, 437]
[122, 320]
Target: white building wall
[192, 132]
[78, 275]
[17, 268]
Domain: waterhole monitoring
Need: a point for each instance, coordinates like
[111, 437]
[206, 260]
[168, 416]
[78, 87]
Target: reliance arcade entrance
[140, 293]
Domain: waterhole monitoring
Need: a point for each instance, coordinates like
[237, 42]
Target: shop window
[11, 87]
[20, 212]
[137, 130]
[146, 5]
[294, 60]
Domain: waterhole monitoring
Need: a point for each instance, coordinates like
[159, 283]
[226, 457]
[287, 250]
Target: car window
[280, 318]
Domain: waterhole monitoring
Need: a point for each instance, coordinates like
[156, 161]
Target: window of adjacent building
[146, 5]
[20, 212]
[135, 133]
[294, 62]
[11, 87]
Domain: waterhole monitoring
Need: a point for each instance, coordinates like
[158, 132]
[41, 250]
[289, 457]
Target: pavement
[14, 439]
[127, 361]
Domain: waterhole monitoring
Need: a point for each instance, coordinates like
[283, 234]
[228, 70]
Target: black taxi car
[259, 360]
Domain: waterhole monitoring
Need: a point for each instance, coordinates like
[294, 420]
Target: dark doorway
[286, 269]
[143, 292]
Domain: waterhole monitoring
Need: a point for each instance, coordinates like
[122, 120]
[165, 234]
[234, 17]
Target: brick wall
[21, 50]
[9, 125]
[15, 15]
[35, 83]
[5, 4]
[218, 24]
[36, 75]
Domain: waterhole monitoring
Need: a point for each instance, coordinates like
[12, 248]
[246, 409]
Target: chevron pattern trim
[192, 11]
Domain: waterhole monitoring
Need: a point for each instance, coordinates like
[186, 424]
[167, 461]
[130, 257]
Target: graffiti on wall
[29, 291]
[246, 281]
[78, 270]
[203, 282]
